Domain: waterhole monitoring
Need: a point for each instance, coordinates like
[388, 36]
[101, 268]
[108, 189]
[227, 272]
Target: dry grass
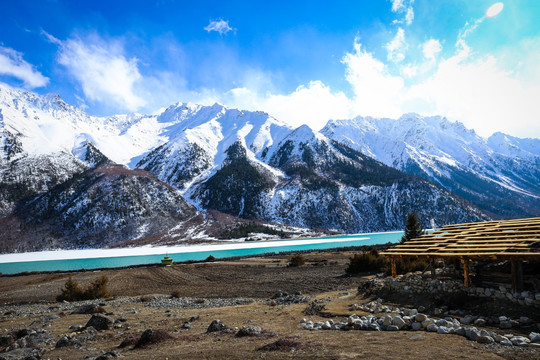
[222, 280]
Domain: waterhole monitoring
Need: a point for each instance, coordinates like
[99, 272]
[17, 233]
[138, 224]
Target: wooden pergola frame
[515, 240]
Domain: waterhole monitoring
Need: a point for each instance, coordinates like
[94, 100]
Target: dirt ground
[322, 278]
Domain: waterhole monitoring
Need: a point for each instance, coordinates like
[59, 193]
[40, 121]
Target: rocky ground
[251, 308]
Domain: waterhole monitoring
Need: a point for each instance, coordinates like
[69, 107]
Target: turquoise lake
[120, 261]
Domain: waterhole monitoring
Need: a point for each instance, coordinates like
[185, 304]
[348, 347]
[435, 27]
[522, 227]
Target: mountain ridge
[250, 165]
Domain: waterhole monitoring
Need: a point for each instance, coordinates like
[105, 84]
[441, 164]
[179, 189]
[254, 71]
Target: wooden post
[467, 279]
[394, 269]
[432, 265]
[517, 276]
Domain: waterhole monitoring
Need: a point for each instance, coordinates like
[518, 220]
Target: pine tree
[413, 228]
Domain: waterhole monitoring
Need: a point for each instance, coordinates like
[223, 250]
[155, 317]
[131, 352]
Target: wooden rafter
[506, 239]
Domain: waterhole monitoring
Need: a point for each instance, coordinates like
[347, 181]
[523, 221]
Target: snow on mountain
[502, 168]
[46, 124]
[198, 137]
[324, 185]
[251, 165]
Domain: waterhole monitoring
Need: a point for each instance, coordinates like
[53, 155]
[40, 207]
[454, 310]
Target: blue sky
[301, 61]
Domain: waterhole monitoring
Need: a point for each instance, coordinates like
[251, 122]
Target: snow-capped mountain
[199, 136]
[500, 175]
[324, 184]
[356, 175]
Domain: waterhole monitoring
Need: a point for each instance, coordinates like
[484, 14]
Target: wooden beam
[517, 276]
[466, 275]
[394, 268]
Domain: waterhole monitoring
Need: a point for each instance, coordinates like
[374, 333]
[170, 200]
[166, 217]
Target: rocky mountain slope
[58, 172]
[500, 175]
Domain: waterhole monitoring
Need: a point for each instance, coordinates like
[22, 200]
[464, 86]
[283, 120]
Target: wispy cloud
[220, 26]
[397, 46]
[13, 64]
[404, 7]
[102, 69]
[431, 49]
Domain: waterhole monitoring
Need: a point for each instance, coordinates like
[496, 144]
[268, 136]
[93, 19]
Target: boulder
[387, 321]
[483, 339]
[420, 317]
[445, 330]
[520, 341]
[399, 322]
[499, 338]
[534, 337]
[100, 322]
[432, 328]
[472, 333]
[480, 322]
[217, 325]
[249, 331]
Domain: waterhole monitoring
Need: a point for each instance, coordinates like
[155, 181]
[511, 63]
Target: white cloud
[220, 26]
[397, 5]
[431, 49]
[404, 7]
[466, 87]
[376, 91]
[482, 95]
[409, 15]
[313, 104]
[103, 71]
[13, 64]
[397, 46]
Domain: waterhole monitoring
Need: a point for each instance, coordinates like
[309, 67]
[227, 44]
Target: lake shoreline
[267, 255]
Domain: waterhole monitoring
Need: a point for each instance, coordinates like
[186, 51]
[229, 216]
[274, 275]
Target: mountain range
[196, 172]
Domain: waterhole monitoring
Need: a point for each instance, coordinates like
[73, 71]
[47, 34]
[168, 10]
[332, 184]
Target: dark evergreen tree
[413, 228]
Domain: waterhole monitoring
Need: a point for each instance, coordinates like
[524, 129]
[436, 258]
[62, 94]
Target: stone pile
[419, 282]
[411, 319]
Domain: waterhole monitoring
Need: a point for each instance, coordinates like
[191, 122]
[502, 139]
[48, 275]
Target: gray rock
[215, 326]
[480, 322]
[108, 355]
[466, 320]
[520, 340]
[67, 341]
[420, 317]
[484, 339]
[460, 331]
[399, 322]
[499, 338]
[26, 353]
[387, 321]
[417, 337]
[472, 333]
[391, 328]
[432, 328]
[416, 326]
[249, 331]
[100, 322]
[427, 322]
[445, 330]
[187, 326]
[534, 337]
[506, 342]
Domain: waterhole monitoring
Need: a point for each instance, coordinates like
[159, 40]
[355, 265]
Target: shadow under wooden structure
[515, 240]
